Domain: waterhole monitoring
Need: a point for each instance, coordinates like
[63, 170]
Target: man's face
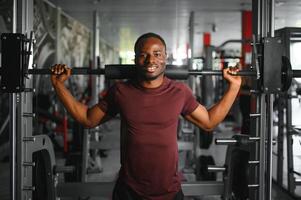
[150, 59]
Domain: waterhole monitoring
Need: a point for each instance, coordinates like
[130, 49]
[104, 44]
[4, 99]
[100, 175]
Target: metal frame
[285, 125]
[91, 136]
[263, 26]
[23, 144]
[21, 126]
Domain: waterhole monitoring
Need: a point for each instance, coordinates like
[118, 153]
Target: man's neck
[152, 83]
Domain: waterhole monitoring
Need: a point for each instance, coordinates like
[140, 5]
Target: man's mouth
[151, 69]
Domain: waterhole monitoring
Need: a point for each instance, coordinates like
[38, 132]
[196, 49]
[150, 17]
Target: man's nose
[150, 59]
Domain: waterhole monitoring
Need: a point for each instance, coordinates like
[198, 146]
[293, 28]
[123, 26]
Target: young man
[149, 105]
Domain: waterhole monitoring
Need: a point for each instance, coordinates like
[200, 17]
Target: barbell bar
[172, 71]
[128, 71]
[12, 66]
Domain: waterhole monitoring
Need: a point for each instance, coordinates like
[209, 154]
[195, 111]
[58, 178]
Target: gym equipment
[287, 177]
[238, 159]
[15, 69]
[276, 76]
[205, 138]
[43, 176]
[23, 144]
[202, 173]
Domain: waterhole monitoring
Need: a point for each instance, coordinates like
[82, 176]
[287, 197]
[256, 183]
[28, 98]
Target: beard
[144, 75]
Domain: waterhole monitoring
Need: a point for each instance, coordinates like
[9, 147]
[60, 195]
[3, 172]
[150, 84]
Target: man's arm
[88, 117]
[209, 119]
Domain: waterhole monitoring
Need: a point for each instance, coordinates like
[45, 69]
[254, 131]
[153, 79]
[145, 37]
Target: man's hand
[230, 75]
[60, 73]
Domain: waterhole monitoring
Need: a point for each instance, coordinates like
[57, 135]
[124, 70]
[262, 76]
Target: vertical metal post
[14, 16]
[284, 126]
[290, 153]
[280, 157]
[12, 124]
[291, 186]
[256, 7]
[191, 79]
[191, 37]
[262, 155]
[269, 163]
[95, 56]
[207, 81]
[95, 87]
[58, 33]
[271, 29]
[85, 155]
[19, 103]
[12, 135]
[256, 126]
[270, 12]
[263, 26]
[191, 44]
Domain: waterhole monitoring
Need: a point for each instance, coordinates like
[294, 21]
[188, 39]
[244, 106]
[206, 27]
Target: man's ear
[135, 59]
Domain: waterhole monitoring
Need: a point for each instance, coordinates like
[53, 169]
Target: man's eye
[143, 55]
[157, 54]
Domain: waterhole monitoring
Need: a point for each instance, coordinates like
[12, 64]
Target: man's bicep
[96, 115]
[199, 117]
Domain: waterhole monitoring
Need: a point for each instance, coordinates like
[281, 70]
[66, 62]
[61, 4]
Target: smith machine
[33, 168]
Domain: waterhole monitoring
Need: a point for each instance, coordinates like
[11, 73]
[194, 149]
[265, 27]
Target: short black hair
[144, 37]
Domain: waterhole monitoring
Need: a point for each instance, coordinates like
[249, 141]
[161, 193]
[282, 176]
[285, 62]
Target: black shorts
[124, 192]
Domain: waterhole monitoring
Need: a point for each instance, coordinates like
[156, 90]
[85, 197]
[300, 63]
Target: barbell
[174, 72]
[15, 60]
[129, 71]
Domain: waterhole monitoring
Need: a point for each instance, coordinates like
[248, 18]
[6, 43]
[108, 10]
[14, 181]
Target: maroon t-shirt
[150, 155]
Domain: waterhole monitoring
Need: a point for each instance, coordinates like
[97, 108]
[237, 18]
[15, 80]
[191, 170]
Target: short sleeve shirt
[149, 163]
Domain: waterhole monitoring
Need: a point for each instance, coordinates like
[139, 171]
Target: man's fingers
[68, 71]
[232, 70]
[60, 69]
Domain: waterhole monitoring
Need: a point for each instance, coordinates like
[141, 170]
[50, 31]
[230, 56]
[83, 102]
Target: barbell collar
[296, 73]
[236, 140]
[213, 168]
[253, 185]
[29, 164]
[225, 141]
[254, 139]
[29, 188]
[253, 162]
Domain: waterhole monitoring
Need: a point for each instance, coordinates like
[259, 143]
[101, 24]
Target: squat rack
[23, 144]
